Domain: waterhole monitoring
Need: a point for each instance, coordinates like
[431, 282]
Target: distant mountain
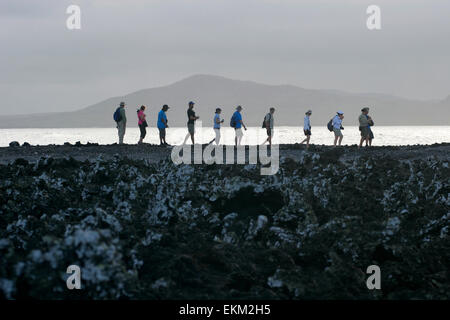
[209, 92]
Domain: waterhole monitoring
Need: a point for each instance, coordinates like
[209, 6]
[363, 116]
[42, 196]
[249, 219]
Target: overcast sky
[124, 46]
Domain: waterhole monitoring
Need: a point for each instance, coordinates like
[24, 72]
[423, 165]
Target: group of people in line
[335, 125]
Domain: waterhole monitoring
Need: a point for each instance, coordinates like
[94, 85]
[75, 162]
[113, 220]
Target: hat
[340, 112]
[191, 102]
[308, 112]
[122, 104]
[365, 109]
[165, 106]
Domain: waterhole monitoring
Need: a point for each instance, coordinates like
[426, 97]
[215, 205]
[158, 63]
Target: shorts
[239, 132]
[162, 133]
[307, 132]
[337, 132]
[191, 128]
[269, 131]
[365, 132]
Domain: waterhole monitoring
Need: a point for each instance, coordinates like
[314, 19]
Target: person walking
[268, 124]
[217, 121]
[364, 126]
[191, 122]
[121, 121]
[142, 123]
[237, 123]
[307, 128]
[162, 125]
[371, 136]
[337, 127]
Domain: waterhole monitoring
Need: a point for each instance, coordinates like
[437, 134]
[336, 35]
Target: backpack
[264, 121]
[233, 121]
[330, 125]
[117, 116]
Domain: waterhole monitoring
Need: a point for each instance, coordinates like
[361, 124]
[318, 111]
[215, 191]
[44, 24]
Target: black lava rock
[14, 144]
[160, 231]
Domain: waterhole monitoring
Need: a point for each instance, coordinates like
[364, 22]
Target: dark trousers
[162, 133]
[143, 130]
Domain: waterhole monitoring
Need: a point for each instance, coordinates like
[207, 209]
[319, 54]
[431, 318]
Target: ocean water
[384, 135]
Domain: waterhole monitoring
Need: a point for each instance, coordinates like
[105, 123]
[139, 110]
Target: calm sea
[384, 135]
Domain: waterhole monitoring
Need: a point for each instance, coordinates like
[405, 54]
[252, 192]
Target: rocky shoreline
[155, 153]
[141, 227]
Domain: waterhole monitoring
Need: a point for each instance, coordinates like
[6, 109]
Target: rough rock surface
[156, 153]
[151, 230]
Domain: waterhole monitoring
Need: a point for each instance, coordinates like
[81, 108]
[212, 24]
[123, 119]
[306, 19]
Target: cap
[191, 102]
[308, 112]
[340, 112]
[365, 109]
[218, 109]
[238, 108]
[122, 104]
[165, 106]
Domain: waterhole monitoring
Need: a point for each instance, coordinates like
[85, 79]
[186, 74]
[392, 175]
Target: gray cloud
[125, 46]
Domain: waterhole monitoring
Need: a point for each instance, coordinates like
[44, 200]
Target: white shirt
[337, 122]
[306, 123]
